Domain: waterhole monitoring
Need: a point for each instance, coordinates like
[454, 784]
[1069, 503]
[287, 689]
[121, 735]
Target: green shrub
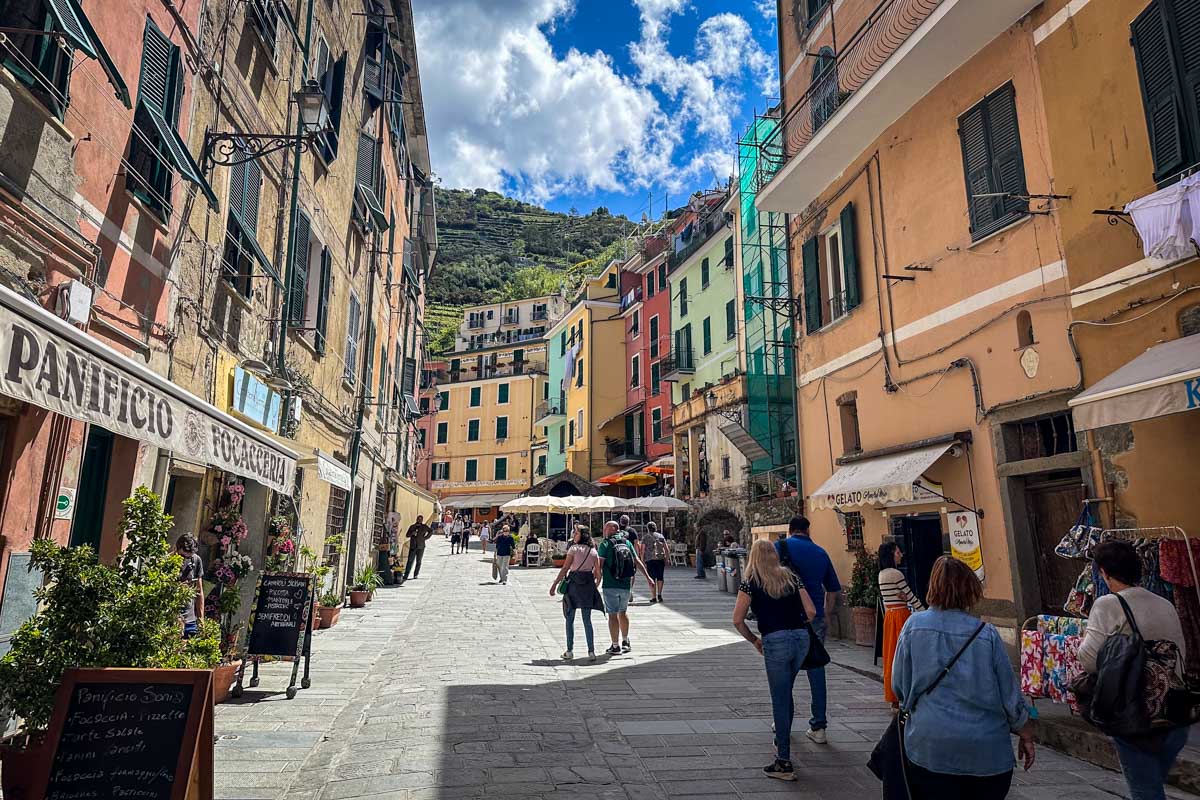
[864, 581]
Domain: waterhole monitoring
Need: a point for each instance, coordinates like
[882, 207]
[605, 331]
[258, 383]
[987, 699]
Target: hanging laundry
[1173, 563]
[1163, 224]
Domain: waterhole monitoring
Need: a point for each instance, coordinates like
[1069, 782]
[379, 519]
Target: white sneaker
[567, 656]
[817, 736]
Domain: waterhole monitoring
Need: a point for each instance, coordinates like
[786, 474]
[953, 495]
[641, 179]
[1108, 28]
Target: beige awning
[878, 481]
[329, 469]
[1163, 380]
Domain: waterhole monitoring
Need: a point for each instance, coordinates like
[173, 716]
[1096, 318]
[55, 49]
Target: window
[650, 285]
[37, 60]
[635, 371]
[1166, 47]
[683, 348]
[662, 276]
[502, 394]
[831, 287]
[655, 377]
[1025, 329]
[1040, 438]
[685, 391]
[635, 322]
[726, 469]
[728, 252]
[611, 283]
[656, 423]
[472, 469]
[443, 432]
[476, 396]
[579, 373]
[335, 521]
[441, 471]
[541, 465]
[368, 210]
[654, 336]
[473, 430]
[353, 333]
[562, 343]
[330, 75]
[321, 334]
[824, 88]
[425, 405]
[683, 297]
[571, 433]
[443, 401]
[992, 163]
[579, 423]
[706, 327]
[562, 440]
[264, 15]
[848, 415]
[421, 433]
[501, 427]
[854, 530]
[241, 233]
[704, 274]
[500, 469]
[730, 319]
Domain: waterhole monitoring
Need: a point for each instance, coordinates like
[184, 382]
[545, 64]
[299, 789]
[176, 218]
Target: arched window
[1024, 329]
[824, 92]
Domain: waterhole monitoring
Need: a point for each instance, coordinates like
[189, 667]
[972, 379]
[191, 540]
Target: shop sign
[98, 385]
[64, 506]
[964, 540]
[470, 484]
[255, 400]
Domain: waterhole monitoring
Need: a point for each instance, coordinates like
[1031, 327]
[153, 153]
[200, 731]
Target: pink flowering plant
[228, 567]
[281, 546]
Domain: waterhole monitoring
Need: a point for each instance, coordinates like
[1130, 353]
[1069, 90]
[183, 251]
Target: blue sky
[581, 103]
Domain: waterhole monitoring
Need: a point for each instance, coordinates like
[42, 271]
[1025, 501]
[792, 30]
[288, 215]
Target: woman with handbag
[956, 718]
[782, 609]
[899, 603]
[577, 582]
[1145, 759]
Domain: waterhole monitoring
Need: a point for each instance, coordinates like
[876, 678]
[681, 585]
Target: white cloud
[505, 112]
[766, 8]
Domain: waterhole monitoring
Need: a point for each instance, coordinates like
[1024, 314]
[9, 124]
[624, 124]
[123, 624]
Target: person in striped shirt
[898, 604]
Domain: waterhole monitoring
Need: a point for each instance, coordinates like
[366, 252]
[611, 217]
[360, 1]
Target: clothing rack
[1160, 532]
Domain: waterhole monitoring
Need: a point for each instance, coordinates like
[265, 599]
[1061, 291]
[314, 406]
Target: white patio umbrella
[660, 504]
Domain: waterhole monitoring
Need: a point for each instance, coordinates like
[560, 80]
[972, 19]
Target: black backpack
[624, 561]
[1117, 703]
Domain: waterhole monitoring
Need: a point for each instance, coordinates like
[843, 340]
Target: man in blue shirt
[812, 564]
[504, 548]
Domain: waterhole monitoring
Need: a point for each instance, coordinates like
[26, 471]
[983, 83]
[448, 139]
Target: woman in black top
[782, 607]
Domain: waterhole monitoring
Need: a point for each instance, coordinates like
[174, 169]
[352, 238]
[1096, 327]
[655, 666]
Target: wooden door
[1053, 509]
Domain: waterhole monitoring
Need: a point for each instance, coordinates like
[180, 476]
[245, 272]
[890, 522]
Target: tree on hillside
[528, 282]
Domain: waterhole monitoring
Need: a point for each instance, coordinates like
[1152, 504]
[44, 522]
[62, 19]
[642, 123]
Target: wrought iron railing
[705, 229]
[865, 52]
[779, 482]
[549, 408]
[678, 361]
[624, 451]
[634, 295]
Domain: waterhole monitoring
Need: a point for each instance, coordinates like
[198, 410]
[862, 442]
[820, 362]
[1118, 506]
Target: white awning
[880, 480]
[58, 367]
[1163, 380]
[330, 470]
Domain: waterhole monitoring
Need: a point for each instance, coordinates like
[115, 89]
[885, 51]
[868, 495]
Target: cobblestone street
[451, 687]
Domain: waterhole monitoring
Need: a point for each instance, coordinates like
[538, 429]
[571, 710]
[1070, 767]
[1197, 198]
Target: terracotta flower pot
[223, 677]
[370, 595]
[358, 599]
[315, 622]
[864, 626]
[329, 616]
[18, 768]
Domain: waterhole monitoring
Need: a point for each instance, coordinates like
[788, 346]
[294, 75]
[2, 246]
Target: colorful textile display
[1049, 659]
[1173, 564]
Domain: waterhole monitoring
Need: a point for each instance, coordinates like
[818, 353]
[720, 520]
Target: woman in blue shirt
[958, 738]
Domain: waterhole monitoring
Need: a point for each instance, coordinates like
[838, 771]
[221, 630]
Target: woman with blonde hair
[782, 607]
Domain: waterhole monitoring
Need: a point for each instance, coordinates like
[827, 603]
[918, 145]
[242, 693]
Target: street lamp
[733, 414]
[229, 148]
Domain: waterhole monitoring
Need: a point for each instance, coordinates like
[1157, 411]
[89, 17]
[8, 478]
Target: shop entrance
[920, 536]
[1053, 507]
[88, 524]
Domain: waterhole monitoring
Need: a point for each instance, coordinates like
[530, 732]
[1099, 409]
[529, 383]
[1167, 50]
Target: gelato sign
[79, 377]
[964, 540]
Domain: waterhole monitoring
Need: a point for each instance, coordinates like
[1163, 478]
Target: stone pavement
[451, 687]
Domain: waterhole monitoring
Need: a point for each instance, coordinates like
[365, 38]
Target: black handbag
[817, 656]
[888, 760]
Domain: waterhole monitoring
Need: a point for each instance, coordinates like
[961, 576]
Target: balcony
[497, 371]
[475, 323]
[903, 50]
[624, 452]
[549, 412]
[631, 298]
[678, 365]
[540, 314]
[704, 230]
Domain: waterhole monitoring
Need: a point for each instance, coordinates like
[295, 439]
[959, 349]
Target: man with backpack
[619, 562]
[655, 552]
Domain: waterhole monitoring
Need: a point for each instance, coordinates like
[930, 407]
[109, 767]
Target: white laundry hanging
[1163, 223]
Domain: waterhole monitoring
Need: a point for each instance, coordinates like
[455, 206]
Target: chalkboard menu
[282, 611]
[131, 733]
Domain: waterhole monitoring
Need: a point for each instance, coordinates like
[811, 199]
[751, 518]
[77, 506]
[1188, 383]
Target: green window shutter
[299, 298]
[812, 286]
[729, 252]
[501, 471]
[703, 273]
[683, 297]
[562, 344]
[472, 469]
[662, 276]
[323, 300]
[655, 377]
[473, 430]
[443, 432]
[706, 328]
[850, 259]
[730, 319]
[443, 401]
[629, 428]
[455, 364]
[367, 164]
[502, 393]
[650, 285]
[369, 381]
[475, 396]
[977, 168]
[1008, 163]
[353, 327]
[501, 427]
[1162, 92]
[159, 76]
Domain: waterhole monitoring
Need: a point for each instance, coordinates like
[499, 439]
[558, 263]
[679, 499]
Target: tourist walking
[956, 686]
[654, 554]
[619, 563]
[418, 533]
[581, 571]
[468, 529]
[1145, 760]
[812, 565]
[504, 548]
[191, 573]
[782, 608]
[455, 539]
[485, 536]
[898, 604]
[701, 553]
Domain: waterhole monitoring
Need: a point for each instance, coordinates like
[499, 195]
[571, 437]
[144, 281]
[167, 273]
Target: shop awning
[743, 440]
[478, 500]
[330, 470]
[623, 413]
[1163, 380]
[58, 367]
[879, 480]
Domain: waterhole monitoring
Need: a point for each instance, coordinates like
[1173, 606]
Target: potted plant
[863, 597]
[366, 580]
[125, 614]
[330, 609]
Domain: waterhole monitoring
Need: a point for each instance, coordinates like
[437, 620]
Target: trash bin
[722, 578]
[735, 562]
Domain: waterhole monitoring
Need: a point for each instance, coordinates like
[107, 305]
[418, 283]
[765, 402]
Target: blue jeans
[587, 628]
[700, 564]
[1146, 772]
[816, 684]
[783, 652]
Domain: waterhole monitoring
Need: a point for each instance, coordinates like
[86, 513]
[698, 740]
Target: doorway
[920, 536]
[88, 525]
[352, 537]
[1053, 507]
